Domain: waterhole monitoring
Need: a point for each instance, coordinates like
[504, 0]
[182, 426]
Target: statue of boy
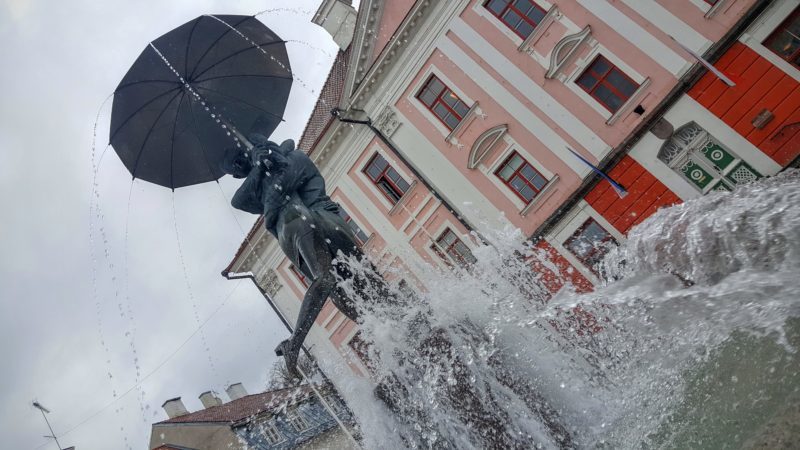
[286, 187]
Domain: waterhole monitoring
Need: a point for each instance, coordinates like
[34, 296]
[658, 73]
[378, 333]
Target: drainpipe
[688, 80]
[337, 113]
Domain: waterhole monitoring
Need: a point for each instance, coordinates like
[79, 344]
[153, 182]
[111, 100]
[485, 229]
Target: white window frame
[570, 224]
[439, 231]
[297, 416]
[271, 428]
[582, 64]
[763, 27]
[431, 117]
[359, 172]
[489, 171]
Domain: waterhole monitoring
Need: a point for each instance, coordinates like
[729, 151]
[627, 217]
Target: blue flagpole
[617, 187]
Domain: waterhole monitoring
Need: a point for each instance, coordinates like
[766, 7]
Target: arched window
[702, 160]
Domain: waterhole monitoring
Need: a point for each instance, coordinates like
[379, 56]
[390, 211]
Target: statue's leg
[317, 260]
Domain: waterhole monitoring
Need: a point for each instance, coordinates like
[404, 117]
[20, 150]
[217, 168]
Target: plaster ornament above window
[387, 121]
[269, 282]
[484, 144]
[565, 49]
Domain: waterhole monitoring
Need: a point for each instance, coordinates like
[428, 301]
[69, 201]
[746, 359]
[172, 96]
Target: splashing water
[692, 344]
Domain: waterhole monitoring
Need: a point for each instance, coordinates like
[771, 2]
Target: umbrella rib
[127, 119]
[241, 101]
[243, 76]
[186, 55]
[150, 132]
[172, 142]
[202, 145]
[133, 83]
[236, 54]
[219, 38]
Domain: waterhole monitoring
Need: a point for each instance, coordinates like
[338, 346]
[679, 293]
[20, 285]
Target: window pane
[536, 14]
[524, 28]
[427, 97]
[497, 6]
[450, 98]
[374, 172]
[539, 182]
[506, 172]
[515, 161]
[387, 189]
[784, 44]
[403, 185]
[512, 18]
[441, 110]
[528, 172]
[523, 6]
[587, 81]
[517, 183]
[600, 66]
[451, 121]
[461, 108]
[435, 86]
[608, 98]
[527, 193]
[621, 82]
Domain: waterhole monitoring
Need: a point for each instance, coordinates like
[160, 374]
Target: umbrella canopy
[168, 111]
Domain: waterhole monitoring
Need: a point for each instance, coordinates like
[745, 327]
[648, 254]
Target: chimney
[236, 391]
[210, 399]
[338, 17]
[174, 408]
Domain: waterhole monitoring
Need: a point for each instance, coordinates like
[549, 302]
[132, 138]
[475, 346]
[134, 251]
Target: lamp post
[44, 410]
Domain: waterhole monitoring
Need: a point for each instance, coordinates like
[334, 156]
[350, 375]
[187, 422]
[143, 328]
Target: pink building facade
[484, 108]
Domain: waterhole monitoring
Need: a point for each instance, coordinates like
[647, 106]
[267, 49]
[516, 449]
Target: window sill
[463, 124]
[539, 199]
[552, 14]
[634, 99]
[399, 205]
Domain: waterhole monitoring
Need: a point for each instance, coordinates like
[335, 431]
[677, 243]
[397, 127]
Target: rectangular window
[607, 84]
[449, 244]
[443, 102]
[334, 403]
[298, 422]
[521, 177]
[299, 275]
[785, 40]
[271, 434]
[391, 184]
[590, 243]
[522, 16]
[361, 348]
[361, 237]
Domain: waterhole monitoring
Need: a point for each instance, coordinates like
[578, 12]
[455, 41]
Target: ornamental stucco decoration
[388, 122]
[484, 144]
[564, 50]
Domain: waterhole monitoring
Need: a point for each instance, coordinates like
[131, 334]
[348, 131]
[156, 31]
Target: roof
[328, 99]
[245, 407]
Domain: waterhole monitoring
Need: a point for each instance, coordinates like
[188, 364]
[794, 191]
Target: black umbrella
[169, 109]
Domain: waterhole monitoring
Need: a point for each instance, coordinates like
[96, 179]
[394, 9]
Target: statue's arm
[248, 196]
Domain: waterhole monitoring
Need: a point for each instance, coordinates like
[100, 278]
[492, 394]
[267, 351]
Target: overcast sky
[59, 60]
